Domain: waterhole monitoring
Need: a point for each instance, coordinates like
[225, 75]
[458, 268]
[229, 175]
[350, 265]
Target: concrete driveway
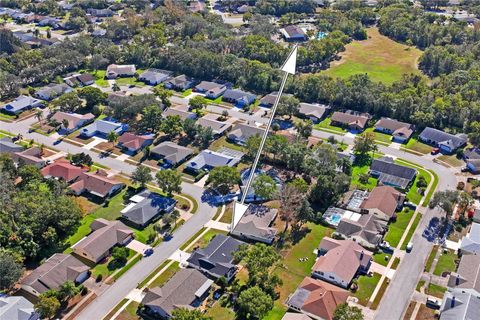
[137, 246]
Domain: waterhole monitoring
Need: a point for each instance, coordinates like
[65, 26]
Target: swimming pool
[333, 219]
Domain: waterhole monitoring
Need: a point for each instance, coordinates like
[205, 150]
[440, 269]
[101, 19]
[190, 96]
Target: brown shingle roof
[133, 141]
[397, 127]
[72, 118]
[383, 198]
[95, 182]
[62, 169]
[349, 119]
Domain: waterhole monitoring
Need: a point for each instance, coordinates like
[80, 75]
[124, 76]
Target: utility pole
[288, 68]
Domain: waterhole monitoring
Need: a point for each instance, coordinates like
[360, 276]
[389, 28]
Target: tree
[258, 258]
[264, 187]
[67, 290]
[445, 200]
[172, 126]
[112, 137]
[190, 128]
[304, 128]
[291, 198]
[346, 312]
[198, 102]
[288, 106]
[365, 143]
[10, 270]
[80, 159]
[120, 254]
[223, 178]
[204, 136]
[253, 303]
[68, 102]
[164, 95]
[252, 144]
[151, 119]
[65, 123]
[169, 181]
[46, 306]
[39, 115]
[142, 175]
[93, 96]
[115, 87]
[185, 314]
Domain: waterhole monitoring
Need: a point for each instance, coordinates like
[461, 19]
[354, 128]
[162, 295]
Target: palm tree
[65, 124]
[112, 137]
[39, 115]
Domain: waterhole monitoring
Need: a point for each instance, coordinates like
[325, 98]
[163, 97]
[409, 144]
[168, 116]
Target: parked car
[410, 205]
[433, 303]
[385, 246]
[409, 246]
[148, 252]
[435, 151]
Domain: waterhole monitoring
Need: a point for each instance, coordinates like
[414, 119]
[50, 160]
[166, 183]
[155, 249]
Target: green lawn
[205, 239]
[379, 258]
[420, 284]
[413, 195]
[325, 125]
[417, 146]
[217, 312]
[395, 263]
[129, 81]
[446, 262]
[293, 270]
[216, 101]
[115, 205]
[166, 275]
[411, 231]
[182, 201]
[431, 257]
[381, 137]
[357, 171]
[397, 228]
[82, 231]
[432, 188]
[186, 244]
[384, 60]
[379, 295]
[154, 273]
[129, 265]
[222, 142]
[451, 160]
[187, 92]
[107, 268]
[100, 78]
[366, 285]
[435, 290]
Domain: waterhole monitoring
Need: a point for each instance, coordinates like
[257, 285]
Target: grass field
[357, 171]
[417, 146]
[411, 231]
[325, 125]
[366, 285]
[384, 60]
[382, 258]
[205, 239]
[435, 290]
[380, 137]
[431, 257]
[166, 275]
[446, 262]
[397, 228]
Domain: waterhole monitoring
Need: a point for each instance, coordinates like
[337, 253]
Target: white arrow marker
[288, 67]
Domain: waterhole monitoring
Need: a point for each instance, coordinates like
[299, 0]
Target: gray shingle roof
[155, 75]
[20, 103]
[467, 275]
[180, 291]
[440, 137]
[212, 159]
[208, 85]
[7, 146]
[171, 151]
[237, 95]
[460, 306]
[152, 205]
[313, 110]
[16, 308]
[392, 173]
[256, 222]
[217, 257]
[178, 112]
[53, 90]
[243, 131]
[368, 227]
[218, 127]
[102, 126]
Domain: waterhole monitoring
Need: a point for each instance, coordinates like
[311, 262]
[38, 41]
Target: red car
[435, 151]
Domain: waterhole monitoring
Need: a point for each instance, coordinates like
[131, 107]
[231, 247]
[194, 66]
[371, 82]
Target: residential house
[52, 22]
[186, 289]
[178, 111]
[52, 91]
[20, 104]
[146, 207]
[170, 152]
[460, 306]
[133, 142]
[470, 243]
[367, 231]
[212, 90]
[101, 128]
[98, 33]
[400, 131]
[317, 299]
[218, 127]
[101, 13]
[473, 165]
[256, 224]
[269, 100]
[475, 218]
[471, 154]
[74, 121]
[239, 98]
[32, 156]
[351, 120]
[180, 83]
[207, 160]
[17, 308]
[84, 79]
[8, 146]
[62, 169]
[216, 259]
[104, 236]
[389, 173]
[467, 277]
[293, 33]
[446, 142]
[341, 261]
[383, 202]
[34, 42]
[242, 131]
[96, 183]
[54, 272]
[315, 112]
[120, 70]
[154, 76]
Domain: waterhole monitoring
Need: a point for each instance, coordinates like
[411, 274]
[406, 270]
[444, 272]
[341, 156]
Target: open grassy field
[384, 60]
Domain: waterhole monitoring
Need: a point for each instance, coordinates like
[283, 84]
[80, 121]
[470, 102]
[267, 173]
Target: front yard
[417, 146]
[446, 263]
[366, 286]
[109, 266]
[397, 228]
[380, 137]
[166, 275]
[205, 239]
[325, 125]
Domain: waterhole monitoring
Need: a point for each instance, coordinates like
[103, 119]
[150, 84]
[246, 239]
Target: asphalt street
[400, 289]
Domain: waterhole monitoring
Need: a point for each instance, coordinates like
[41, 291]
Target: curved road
[400, 289]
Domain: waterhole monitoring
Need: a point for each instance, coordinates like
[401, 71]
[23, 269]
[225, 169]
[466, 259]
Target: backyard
[384, 60]
[360, 171]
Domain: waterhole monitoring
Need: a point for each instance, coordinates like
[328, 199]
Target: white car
[409, 246]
